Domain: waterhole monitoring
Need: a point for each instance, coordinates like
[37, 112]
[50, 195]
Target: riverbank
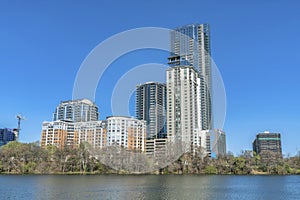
[254, 173]
[20, 158]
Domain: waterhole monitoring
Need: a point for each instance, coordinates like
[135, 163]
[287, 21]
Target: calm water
[150, 187]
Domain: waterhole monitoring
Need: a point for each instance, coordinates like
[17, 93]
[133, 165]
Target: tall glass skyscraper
[190, 46]
[151, 107]
[189, 82]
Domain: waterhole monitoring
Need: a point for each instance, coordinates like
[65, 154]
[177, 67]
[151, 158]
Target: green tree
[210, 169]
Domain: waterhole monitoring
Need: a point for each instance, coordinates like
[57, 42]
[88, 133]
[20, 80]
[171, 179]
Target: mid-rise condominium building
[92, 132]
[151, 107]
[127, 132]
[68, 130]
[74, 122]
[62, 133]
[59, 134]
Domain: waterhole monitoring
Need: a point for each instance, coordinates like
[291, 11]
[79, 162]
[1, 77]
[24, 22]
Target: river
[149, 187]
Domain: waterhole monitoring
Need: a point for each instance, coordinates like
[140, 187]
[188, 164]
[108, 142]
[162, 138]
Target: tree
[210, 170]
[83, 155]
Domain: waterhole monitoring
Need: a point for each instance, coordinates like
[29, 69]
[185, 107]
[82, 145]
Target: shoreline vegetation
[29, 158]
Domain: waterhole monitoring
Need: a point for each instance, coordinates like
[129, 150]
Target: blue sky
[255, 45]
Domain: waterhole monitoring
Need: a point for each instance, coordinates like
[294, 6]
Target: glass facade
[82, 110]
[267, 142]
[6, 135]
[151, 107]
[190, 46]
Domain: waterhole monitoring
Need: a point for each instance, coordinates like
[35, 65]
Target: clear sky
[255, 45]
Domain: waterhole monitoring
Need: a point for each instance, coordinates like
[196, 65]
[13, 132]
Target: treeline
[247, 163]
[21, 158]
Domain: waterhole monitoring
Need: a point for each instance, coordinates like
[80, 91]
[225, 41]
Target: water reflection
[150, 187]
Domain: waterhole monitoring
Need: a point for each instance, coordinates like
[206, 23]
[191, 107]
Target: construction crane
[17, 133]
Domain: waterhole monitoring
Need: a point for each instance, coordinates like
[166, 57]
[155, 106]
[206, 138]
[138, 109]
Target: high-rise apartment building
[82, 110]
[151, 107]
[267, 142]
[127, 132]
[183, 113]
[190, 46]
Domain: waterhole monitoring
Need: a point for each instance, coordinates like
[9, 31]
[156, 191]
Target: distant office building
[151, 107]
[267, 142]
[6, 135]
[127, 132]
[190, 46]
[219, 143]
[82, 110]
